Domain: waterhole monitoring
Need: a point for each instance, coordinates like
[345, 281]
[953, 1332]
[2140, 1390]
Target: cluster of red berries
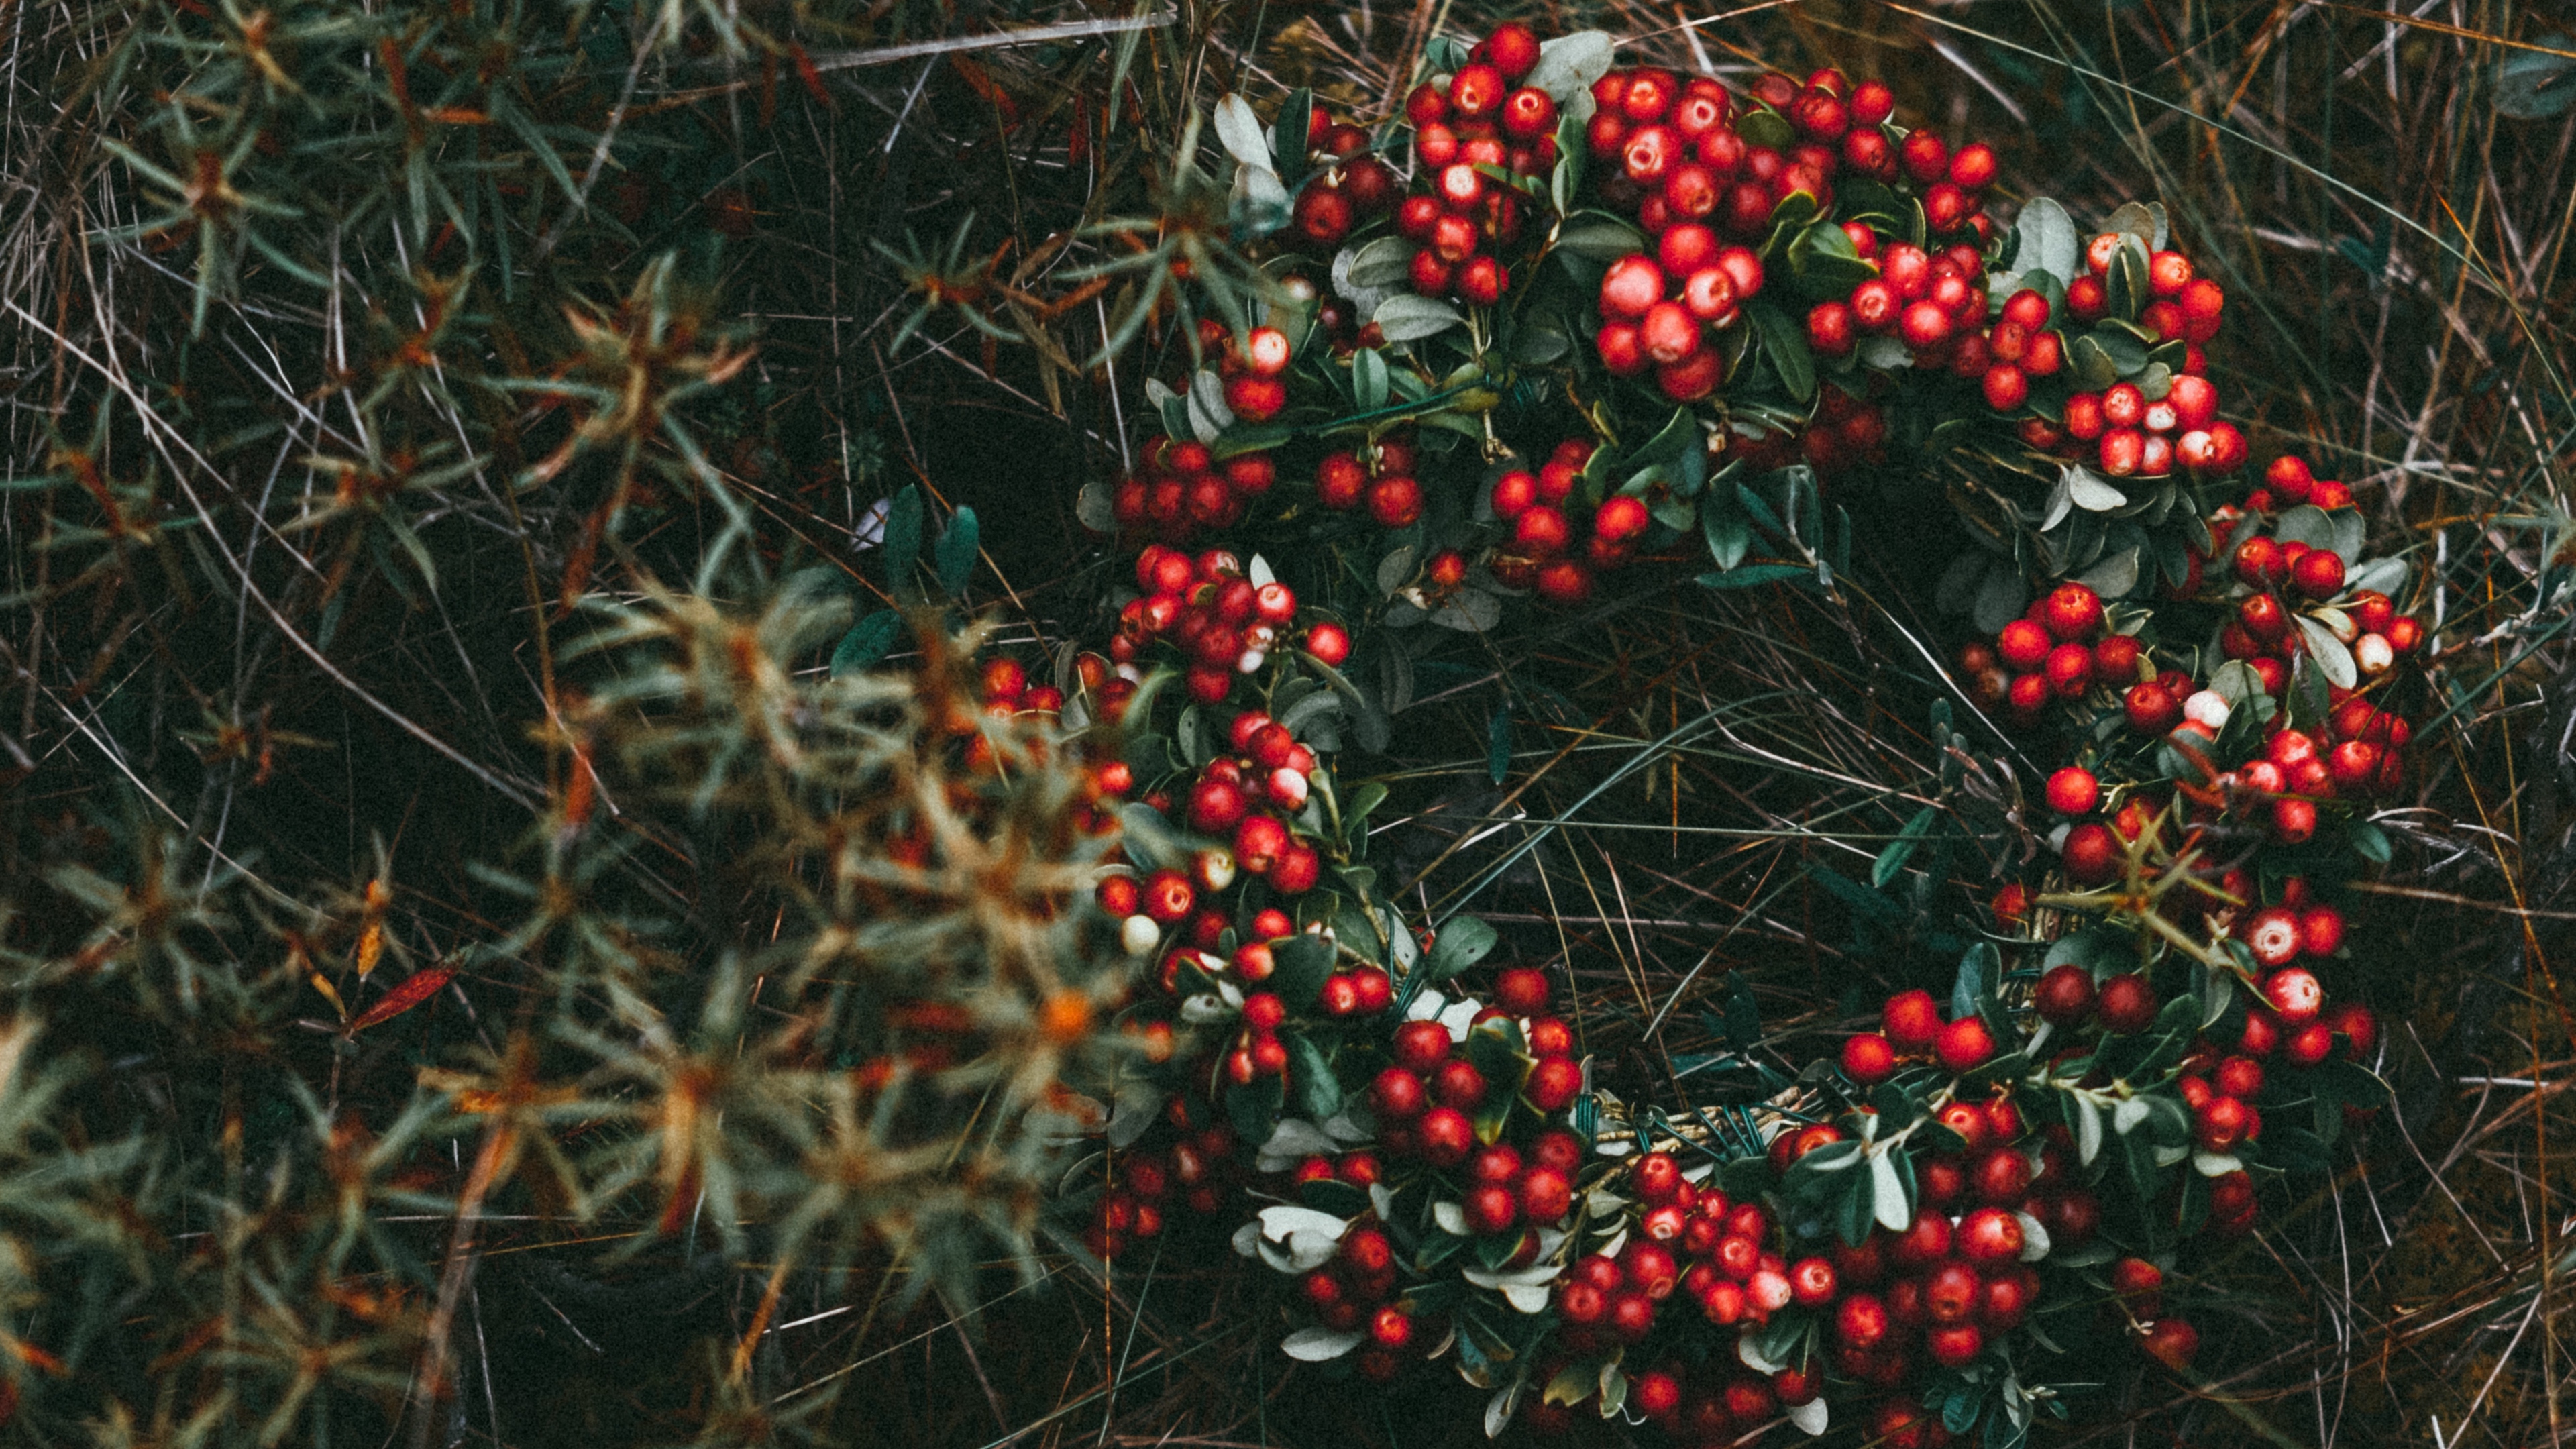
[1428, 1101]
[2058, 650]
[1198, 1169]
[1349, 187]
[1484, 121]
[1966, 1276]
[1664, 312]
[1427, 1098]
[1179, 488]
[1704, 1257]
[1249, 794]
[1357, 1289]
[1224, 623]
[1935, 303]
[1379, 476]
[1544, 551]
[1255, 369]
[2123, 428]
[1684, 155]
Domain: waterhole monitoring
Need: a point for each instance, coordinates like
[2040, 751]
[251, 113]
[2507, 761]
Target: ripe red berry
[2092, 854]
[2172, 1342]
[2071, 611]
[1620, 517]
[1630, 286]
[1964, 1045]
[1912, 1020]
[2318, 574]
[1521, 991]
[1868, 1059]
[1446, 1136]
[2073, 791]
[2065, 995]
[2127, 1004]
[1989, 1236]
[2294, 995]
[1553, 1084]
[1396, 1094]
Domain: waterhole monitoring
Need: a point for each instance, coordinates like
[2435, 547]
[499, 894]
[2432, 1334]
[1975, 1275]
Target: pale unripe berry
[1138, 935]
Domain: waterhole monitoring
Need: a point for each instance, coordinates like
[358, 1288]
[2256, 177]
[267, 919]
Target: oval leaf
[1240, 131]
[2088, 492]
[1571, 63]
[1320, 1345]
[2329, 653]
[1408, 318]
[2048, 239]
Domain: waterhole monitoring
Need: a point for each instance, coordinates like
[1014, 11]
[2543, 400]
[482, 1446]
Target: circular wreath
[1558, 319]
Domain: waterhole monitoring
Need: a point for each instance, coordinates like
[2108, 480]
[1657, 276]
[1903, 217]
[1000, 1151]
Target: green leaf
[1298, 968]
[1824, 260]
[2049, 241]
[903, 537]
[2369, 842]
[2295, 1149]
[1319, 1092]
[957, 550]
[1785, 343]
[1254, 1109]
[1598, 237]
[1462, 942]
[1498, 743]
[868, 642]
[1751, 575]
[1729, 536]
[1405, 317]
[1859, 1205]
[2091, 363]
[1981, 965]
[1891, 861]
[2144, 220]
[1288, 134]
[1571, 63]
[2349, 1084]
[1368, 379]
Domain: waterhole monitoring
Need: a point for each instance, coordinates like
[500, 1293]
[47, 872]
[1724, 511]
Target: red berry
[1868, 1059]
[2071, 612]
[1964, 1045]
[1912, 1020]
[2065, 995]
[2073, 791]
[1990, 1236]
[2092, 854]
[2127, 1004]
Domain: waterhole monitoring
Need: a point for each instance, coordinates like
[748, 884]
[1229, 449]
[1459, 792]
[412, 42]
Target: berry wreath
[1559, 318]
